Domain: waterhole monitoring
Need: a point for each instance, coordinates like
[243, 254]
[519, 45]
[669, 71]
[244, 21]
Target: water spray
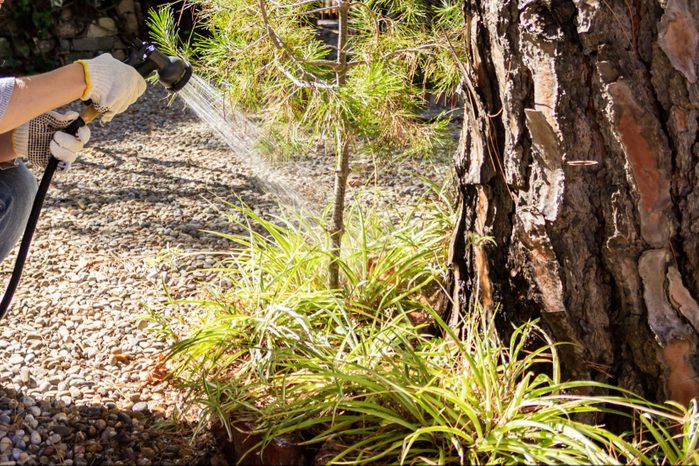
[173, 73]
[241, 135]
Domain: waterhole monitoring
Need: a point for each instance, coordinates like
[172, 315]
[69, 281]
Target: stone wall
[74, 32]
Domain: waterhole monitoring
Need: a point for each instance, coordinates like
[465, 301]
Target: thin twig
[253, 44]
[309, 12]
[373, 17]
[328, 63]
[300, 83]
[388, 55]
[393, 53]
[293, 5]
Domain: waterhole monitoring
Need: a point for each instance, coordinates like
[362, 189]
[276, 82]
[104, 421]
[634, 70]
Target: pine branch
[280, 46]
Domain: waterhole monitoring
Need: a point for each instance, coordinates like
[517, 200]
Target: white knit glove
[42, 137]
[111, 85]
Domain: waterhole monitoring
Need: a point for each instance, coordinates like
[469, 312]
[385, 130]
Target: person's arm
[38, 94]
[7, 152]
[26, 106]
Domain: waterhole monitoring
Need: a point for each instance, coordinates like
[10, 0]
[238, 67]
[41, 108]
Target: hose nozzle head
[173, 72]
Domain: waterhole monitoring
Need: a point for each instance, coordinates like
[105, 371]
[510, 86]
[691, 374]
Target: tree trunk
[342, 144]
[578, 155]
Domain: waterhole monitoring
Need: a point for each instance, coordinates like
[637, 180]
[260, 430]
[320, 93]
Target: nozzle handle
[87, 116]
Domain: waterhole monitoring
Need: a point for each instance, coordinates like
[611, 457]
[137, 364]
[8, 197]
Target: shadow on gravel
[184, 164]
[119, 158]
[245, 190]
[46, 431]
[157, 187]
[150, 114]
[152, 194]
[92, 200]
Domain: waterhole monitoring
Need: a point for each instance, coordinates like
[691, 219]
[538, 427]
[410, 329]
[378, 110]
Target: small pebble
[28, 401]
[23, 458]
[140, 407]
[5, 444]
[16, 359]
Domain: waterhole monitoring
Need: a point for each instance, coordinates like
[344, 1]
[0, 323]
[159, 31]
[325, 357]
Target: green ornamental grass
[375, 376]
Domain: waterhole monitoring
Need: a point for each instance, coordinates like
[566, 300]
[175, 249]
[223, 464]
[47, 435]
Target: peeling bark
[679, 39]
[648, 161]
[592, 186]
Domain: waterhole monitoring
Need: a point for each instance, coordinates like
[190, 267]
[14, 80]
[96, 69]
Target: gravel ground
[79, 381]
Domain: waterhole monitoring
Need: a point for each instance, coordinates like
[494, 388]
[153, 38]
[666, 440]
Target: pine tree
[369, 85]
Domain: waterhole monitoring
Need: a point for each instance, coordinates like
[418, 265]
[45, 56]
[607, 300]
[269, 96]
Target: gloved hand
[42, 137]
[111, 85]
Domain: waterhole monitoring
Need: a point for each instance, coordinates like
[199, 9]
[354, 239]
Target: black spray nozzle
[173, 72]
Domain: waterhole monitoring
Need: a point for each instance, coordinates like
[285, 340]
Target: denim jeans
[17, 190]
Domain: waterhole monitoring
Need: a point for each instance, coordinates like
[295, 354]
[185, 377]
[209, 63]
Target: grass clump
[277, 299]
[373, 375]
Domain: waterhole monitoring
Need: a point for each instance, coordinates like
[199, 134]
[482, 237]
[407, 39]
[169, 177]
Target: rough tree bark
[579, 156]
